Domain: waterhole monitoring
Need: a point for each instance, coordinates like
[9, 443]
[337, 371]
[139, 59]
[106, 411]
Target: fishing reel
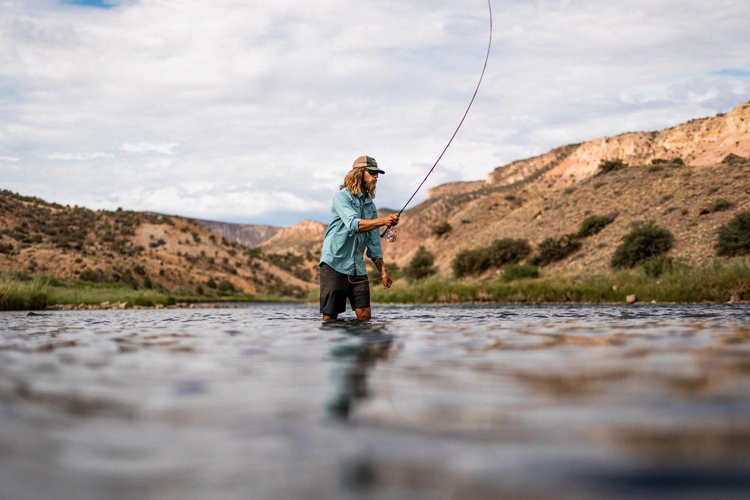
[390, 235]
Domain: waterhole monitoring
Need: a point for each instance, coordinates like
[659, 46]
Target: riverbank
[671, 282]
[43, 292]
[716, 282]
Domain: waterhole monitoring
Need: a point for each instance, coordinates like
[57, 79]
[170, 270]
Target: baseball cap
[369, 163]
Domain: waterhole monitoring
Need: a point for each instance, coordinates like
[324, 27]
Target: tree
[421, 265]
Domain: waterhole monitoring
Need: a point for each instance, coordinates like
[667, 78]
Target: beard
[370, 187]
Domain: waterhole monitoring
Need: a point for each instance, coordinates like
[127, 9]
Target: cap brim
[372, 170]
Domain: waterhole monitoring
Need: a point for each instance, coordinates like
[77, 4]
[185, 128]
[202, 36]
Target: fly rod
[389, 233]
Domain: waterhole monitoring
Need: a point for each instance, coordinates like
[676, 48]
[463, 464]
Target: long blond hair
[354, 182]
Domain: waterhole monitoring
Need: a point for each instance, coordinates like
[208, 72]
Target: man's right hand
[391, 220]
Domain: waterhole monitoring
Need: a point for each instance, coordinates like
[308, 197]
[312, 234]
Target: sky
[253, 111]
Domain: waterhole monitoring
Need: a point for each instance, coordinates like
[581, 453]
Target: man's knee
[363, 314]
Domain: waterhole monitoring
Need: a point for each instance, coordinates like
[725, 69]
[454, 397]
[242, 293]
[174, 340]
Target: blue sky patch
[102, 4]
[735, 72]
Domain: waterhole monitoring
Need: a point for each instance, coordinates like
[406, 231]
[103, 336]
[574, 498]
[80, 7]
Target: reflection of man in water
[356, 354]
[352, 231]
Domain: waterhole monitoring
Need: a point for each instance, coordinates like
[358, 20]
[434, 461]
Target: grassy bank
[716, 281]
[22, 293]
[16, 294]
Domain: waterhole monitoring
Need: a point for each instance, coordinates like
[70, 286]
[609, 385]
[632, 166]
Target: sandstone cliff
[249, 235]
[516, 200]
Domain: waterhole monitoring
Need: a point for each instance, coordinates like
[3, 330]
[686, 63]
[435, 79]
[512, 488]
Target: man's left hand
[387, 281]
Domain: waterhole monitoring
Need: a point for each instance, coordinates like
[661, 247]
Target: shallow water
[469, 402]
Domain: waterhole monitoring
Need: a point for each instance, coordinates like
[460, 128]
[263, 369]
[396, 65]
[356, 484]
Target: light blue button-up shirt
[343, 245]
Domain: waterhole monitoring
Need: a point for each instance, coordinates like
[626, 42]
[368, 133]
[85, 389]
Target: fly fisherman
[353, 229]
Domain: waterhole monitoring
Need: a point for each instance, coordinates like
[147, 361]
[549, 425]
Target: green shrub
[734, 236]
[499, 253]
[421, 265]
[507, 251]
[139, 269]
[657, 266]
[553, 249]
[592, 225]
[641, 243]
[303, 273]
[607, 166]
[128, 279]
[471, 262]
[520, 271]
[225, 286]
[210, 283]
[93, 275]
[147, 283]
[442, 229]
[716, 205]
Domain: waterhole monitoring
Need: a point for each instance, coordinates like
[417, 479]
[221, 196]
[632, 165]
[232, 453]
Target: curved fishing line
[487, 57]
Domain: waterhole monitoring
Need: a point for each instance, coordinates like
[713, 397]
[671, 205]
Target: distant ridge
[249, 235]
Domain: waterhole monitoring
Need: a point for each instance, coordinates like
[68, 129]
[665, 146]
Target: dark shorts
[336, 287]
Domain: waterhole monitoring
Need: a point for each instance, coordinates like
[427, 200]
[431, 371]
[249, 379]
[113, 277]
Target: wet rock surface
[469, 402]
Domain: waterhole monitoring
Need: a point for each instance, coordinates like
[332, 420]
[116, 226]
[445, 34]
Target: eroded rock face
[299, 238]
[704, 141]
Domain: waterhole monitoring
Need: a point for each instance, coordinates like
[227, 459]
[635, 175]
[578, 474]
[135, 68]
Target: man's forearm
[370, 224]
[379, 264]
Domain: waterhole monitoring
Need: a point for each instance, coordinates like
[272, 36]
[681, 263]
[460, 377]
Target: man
[354, 228]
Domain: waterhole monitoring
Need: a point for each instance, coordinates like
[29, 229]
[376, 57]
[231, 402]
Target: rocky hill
[249, 235]
[550, 195]
[144, 250]
[302, 238]
[689, 179]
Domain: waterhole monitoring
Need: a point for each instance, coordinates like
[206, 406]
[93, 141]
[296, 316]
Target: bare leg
[363, 314]
[326, 317]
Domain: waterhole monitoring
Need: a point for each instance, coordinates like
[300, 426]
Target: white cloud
[10, 158]
[79, 156]
[253, 110]
[145, 147]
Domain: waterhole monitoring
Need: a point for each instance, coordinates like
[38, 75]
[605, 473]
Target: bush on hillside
[592, 225]
[442, 229]
[147, 283]
[642, 243]
[520, 271]
[734, 236]
[553, 249]
[421, 265]
[498, 254]
[470, 262]
[127, 278]
[716, 205]
[225, 286]
[507, 251]
[607, 166]
[95, 276]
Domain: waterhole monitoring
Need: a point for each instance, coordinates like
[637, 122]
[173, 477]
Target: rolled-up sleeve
[346, 211]
[374, 251]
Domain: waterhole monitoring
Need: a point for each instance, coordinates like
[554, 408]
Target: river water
[464, 402]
